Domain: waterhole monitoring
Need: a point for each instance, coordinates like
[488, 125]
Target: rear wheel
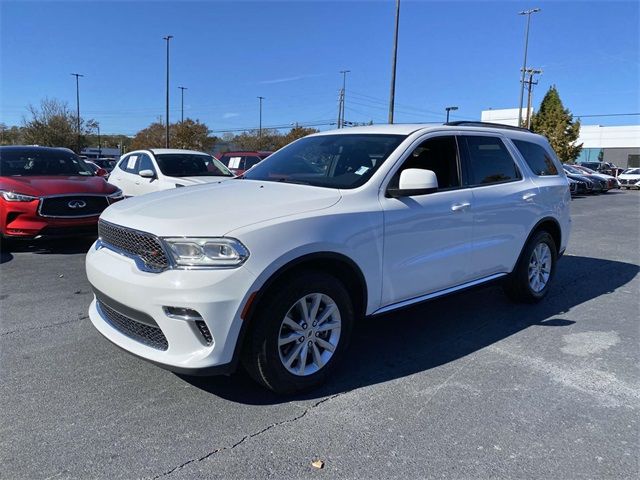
[530, 280]
[301, 330]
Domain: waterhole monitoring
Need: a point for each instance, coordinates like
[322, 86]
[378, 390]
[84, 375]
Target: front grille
[72, 206]
[141, 332]
[142, 245]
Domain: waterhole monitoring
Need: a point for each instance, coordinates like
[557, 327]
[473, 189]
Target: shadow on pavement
[422, 337]
[57, 246]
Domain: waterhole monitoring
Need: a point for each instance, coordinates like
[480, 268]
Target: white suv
[155, 169]
[272, 268]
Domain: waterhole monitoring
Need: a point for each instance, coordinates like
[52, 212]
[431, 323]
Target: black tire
[517, 285]
[261, 355]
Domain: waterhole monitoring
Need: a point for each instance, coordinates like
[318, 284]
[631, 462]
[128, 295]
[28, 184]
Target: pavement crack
[248, 436]
[44, 327]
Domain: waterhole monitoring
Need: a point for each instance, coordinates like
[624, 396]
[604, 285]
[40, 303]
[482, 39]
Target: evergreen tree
[556, 123]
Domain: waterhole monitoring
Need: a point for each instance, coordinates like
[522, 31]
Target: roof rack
[464, 123]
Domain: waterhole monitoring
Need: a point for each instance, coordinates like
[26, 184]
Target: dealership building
[616, 144]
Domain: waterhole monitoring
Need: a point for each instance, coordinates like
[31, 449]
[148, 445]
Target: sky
[453, 53]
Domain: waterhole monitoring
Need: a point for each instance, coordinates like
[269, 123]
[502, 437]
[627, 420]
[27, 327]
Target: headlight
[207, 252]
[117, 195]
[16, 197]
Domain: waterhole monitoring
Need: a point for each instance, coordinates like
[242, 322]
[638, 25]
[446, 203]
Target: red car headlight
[16, 197]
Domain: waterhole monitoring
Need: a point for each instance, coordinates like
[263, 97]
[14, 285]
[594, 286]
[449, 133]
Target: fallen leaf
[318, 464]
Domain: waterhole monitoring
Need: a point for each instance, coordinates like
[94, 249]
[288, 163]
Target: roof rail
[465, 123]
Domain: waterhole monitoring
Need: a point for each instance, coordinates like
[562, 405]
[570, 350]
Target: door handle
[528, 196]
[137, 183]
[458, 207]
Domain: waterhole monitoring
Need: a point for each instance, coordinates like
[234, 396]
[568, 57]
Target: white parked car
[630, 178]
[155, 169]
[336, 226]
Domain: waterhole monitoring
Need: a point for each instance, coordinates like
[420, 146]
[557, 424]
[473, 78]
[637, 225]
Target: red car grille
[73, 206]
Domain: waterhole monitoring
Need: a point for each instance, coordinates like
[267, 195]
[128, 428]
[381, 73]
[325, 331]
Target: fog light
[182, 313]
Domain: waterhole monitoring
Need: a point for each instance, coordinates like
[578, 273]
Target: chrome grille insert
[133, 243]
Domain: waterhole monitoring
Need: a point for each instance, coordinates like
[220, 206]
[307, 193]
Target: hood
[195, 180]
[56, 185]
[217, 208]
[629, 176]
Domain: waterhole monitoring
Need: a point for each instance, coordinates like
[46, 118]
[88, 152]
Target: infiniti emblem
[77, 204]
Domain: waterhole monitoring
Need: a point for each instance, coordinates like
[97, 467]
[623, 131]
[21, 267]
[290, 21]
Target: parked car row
[583, 180]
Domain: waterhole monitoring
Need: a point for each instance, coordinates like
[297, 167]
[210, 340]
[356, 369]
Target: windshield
[632, 171]
[191, 165]
[30, 162]
[334, 161]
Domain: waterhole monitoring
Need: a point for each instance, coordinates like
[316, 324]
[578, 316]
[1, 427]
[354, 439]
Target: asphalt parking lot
[469, 386]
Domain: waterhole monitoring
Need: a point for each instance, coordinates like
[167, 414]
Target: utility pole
[166, 141]
[524, 64]
[448, 109]
[260, 128]
[531, 72]
[339, 123]
[344, 90]
[182, 89]
[77, 75]
[392, 95]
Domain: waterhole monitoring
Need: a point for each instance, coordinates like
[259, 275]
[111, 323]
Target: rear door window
[489, 161]
[536, 157]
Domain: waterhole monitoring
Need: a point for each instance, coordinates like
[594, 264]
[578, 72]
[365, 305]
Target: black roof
[34, 147]
[465, 123]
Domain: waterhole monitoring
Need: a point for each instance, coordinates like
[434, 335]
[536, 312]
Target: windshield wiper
[289, 180]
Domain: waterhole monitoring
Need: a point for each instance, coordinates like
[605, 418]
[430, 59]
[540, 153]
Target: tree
[150, 137]
[193, 135]
[190, 134]
[10, 135]
[556, 123]
[270, 139]
[53, 124]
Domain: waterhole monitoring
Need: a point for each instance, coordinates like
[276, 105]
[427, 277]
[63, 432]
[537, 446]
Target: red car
[49, 191]
[240, 162]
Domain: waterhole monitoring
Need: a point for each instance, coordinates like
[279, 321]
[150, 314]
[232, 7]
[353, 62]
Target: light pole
[166, 141]
[99, 145]
[77, 75]
[344, 86]
[448, 109]
[260, 99]
[524, 65]
[182, 89]
[392, 95]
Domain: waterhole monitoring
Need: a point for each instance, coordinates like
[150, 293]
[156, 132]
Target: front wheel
[530, 280]
[301, 330]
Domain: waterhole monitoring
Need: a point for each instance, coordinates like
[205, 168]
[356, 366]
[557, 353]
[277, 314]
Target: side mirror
[415, 181]
[146, 173]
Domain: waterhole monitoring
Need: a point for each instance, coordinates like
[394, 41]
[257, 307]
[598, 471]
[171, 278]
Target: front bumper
[218, 295]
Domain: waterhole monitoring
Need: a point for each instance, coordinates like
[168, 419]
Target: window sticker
[234, 162]
[131, 163]
[362, 170]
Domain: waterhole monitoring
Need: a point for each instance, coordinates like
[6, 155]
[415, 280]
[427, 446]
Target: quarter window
[536, 157]
[489, 161]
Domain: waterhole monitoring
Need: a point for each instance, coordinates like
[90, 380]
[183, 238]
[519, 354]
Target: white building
[617, 144]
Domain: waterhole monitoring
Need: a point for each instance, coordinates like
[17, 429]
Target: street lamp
[166, 141]
[524, 65]
[77, 75]
[260, 127]
[448, 109]
[182, 103]
[392, 95]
